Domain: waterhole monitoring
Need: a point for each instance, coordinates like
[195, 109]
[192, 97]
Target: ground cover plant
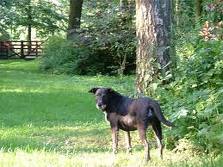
[51, 120]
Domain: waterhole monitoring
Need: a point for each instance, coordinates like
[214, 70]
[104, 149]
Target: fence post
[7, 51]
[36, 48]
[22, 50]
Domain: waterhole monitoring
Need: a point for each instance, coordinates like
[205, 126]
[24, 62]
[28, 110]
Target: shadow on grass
[20, 65]
[71, 141]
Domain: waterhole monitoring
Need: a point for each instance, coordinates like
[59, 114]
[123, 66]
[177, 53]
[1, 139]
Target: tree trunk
[29, 27]
[74, 18]
[177, 12]
[198, 8]
[153, 31]
[29, 37]
[123, 6]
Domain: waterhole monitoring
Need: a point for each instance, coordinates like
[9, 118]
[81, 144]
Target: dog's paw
[114, 152]
[129, 151]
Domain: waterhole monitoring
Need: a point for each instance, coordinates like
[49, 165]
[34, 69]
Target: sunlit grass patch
[45, 158]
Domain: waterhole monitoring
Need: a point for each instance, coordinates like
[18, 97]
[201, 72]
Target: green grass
[51, 120]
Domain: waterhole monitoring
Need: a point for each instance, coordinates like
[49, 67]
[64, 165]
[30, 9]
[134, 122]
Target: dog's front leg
[114, 139]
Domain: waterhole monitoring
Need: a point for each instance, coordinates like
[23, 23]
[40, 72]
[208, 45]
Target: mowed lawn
[51, 120]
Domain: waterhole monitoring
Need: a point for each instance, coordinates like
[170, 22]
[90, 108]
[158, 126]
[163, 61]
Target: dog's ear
[93, 90]
[110, 90]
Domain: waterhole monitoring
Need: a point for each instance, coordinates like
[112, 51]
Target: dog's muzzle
[101, 107]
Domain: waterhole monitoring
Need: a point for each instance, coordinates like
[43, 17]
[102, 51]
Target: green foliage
[195, 99]
[5, 18]
[60, 56]
[105, 44]
[111, 34]
[46, 17]
[213, 10]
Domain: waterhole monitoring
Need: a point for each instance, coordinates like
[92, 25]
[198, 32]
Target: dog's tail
[157, 111]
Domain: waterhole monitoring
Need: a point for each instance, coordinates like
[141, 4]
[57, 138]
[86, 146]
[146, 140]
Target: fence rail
[21, 49]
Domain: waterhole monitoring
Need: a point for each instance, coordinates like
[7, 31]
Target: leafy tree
[6, 18]
[46, 17]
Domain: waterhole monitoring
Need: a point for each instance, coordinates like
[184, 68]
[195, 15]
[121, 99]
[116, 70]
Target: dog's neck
[116, 103]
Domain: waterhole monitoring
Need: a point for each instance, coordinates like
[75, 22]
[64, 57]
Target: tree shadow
[69, 142]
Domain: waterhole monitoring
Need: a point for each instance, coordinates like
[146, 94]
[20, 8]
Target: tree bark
[74, 18]
[123, 5]
[198, 8]
[28, 12]
[153, 31]
[177, 12]
[29, 36]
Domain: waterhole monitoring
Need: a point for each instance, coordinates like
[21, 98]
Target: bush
[112, 35]
[63, 56]
[194, 101]
[60, 56]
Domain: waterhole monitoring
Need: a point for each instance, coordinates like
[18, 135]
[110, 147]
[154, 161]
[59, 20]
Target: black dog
[129, 115]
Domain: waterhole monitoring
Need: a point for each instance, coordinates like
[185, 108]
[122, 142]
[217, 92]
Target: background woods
[170, 50]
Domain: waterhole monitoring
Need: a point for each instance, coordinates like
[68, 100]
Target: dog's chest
[127, 123]
[127, 120]
[106, 117]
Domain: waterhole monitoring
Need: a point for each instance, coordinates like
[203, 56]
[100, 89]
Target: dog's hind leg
[158, 132]
[128, 142]
[142, 135]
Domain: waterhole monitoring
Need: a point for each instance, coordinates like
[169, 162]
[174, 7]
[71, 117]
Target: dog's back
[148, 108]
[141, 109]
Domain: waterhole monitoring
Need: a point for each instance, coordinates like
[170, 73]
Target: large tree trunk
[74, 18]
[153, 30]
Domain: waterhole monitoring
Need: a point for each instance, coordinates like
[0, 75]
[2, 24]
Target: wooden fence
[20, 49]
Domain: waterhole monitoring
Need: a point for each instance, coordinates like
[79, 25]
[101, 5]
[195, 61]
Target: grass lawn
[51, 120]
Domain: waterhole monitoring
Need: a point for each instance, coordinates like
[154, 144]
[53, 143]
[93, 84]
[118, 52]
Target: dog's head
[102, 97]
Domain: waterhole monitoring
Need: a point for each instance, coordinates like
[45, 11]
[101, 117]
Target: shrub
[194, 101]
[60, 56]
[113, 36]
